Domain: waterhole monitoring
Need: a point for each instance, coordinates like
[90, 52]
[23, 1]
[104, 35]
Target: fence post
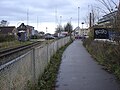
[34, 77]
[47, 53]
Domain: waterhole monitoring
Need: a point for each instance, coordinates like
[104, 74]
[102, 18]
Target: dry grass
[106, 54]
[11, 44]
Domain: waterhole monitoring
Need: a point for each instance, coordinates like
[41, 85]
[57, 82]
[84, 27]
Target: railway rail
[11, 51]
[4, 53]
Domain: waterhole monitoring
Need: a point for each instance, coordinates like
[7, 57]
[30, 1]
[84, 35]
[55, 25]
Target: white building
[84, 31]
[81, 32]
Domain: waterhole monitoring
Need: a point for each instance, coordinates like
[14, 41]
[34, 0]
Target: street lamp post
[82, 24]
[47, 44]
[46, 29]
[82, 28]
[61, 20]
[78, 21]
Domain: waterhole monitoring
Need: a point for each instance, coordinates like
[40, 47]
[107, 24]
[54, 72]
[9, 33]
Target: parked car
[48, 37]
[78, 37]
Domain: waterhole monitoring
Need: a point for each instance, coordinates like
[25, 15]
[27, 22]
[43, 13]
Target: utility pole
[78, 16]
[37, 22]
[60, 25]
[90, 23]
[56, 17]
[70, 20]
[27, 16]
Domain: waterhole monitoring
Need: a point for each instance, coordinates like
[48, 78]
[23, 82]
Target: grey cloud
[43, 9]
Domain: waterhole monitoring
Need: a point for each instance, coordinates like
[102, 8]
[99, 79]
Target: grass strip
[13, 44]
[48, 79]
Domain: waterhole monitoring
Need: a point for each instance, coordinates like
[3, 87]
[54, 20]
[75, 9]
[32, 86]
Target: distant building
[8, 30]
[81, 32]
[30, 30]
[36, 32]
[26, 28]
[84, 31]
[107, 20]
[41, 33]
[22, 27]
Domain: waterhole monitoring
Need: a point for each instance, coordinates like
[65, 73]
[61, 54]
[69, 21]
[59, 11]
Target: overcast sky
[46, 12]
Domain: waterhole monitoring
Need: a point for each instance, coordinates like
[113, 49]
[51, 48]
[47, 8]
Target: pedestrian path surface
[78, 71]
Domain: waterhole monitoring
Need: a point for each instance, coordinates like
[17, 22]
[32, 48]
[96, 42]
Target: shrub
[4, 38]
[105, 53]
[36, 37]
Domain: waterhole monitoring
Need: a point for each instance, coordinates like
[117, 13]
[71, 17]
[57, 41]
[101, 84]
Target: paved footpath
[78, 71]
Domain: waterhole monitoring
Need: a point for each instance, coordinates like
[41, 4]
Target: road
[79, 71]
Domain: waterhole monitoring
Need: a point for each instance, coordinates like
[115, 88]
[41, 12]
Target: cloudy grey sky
[43, 12]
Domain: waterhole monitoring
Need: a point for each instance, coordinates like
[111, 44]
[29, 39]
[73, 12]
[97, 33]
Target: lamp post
[60, 26]
[61, 20]
[78, 21]
[82, 28]
[47, 44]
[27, 16]
[82, 24]
[46, 29]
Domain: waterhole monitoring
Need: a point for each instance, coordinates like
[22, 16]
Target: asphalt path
[79, 71]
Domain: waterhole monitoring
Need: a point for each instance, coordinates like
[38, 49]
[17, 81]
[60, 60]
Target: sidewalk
[78, 71]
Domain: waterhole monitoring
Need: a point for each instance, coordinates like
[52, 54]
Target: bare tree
[110, 5]
[113, 6]
[59, 29]
[4, 23]
[107, 6]
[95, 15]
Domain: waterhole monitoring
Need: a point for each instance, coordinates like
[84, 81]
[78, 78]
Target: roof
[110, 14]
[28, 26]
[7, 29]
[107, 17]
[22, 27]
[77, 28]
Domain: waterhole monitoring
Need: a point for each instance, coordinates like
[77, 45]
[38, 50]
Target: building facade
[108, 20]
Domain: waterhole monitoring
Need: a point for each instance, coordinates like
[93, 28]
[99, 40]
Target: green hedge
[106, 54]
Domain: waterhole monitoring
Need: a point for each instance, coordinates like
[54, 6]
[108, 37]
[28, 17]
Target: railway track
[4, 53]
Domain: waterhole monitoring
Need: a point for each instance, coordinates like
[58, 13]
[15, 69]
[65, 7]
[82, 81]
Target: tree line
[67, 28]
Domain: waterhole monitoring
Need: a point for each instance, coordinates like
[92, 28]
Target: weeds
[48, 79]
[12, 44]
[106, 54]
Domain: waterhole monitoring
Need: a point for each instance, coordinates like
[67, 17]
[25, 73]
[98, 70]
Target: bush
[5, 38]
[106, 54]
[36, 37]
